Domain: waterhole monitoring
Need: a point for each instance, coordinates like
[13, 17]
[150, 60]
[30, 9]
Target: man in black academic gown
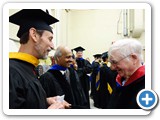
[25, 90]
[107, 82]
[84, 68]
[125, 57]
[80, 98]
[96, 67]
[61, 79]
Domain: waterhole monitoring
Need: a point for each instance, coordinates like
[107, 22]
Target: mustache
[48, 50]
[70, 62]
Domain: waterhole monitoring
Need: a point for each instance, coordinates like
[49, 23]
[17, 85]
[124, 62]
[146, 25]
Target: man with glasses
[125, 57]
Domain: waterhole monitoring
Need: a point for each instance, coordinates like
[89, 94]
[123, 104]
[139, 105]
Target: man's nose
[71, 59]
[52, 46]
[113, 67]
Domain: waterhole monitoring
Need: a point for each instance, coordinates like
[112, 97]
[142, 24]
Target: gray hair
[58, 53]
[125, 47]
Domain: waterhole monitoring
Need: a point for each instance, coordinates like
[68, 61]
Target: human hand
[56, 102]
[66, 104]
[56, 105]
[52, 100]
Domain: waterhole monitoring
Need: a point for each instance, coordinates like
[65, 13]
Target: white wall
[61, 27]
[13, 46]
[13, 29]
[94, 29]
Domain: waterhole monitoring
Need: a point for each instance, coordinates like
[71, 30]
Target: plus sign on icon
[147, 99]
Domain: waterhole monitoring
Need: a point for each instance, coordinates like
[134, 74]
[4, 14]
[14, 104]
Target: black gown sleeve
[87, 67]
[50, 85]
[17, 94]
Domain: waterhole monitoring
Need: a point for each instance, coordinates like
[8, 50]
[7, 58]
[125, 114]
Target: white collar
[62, 72]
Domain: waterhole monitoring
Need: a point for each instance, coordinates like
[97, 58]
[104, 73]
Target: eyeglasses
[113, 62]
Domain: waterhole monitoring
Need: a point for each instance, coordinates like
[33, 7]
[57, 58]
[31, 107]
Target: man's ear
[134, 56]
[33, 34]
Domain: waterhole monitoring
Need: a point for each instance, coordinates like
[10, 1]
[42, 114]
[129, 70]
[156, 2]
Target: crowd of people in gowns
[70, 76]
[99, 85]
[102, 81]
[82, 87]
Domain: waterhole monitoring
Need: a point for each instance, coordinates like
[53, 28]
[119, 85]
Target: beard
[44, 56]
[41, 53]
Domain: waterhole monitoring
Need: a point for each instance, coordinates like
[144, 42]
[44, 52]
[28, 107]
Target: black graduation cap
[105, 55]
[36, 18]
[97, 55]
[79, 49]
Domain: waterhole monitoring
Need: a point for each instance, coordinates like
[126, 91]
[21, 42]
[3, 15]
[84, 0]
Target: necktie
[67, 75]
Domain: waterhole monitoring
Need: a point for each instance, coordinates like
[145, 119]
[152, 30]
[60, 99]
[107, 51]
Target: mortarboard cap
[105, 55]
[28, 18]
[79, 49]
[97, 55]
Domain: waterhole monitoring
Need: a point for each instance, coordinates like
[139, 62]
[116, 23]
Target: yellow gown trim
[25, 57]
[109, 88]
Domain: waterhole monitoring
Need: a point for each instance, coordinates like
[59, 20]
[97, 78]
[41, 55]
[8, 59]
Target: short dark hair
[104, 59]
[25, 37]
